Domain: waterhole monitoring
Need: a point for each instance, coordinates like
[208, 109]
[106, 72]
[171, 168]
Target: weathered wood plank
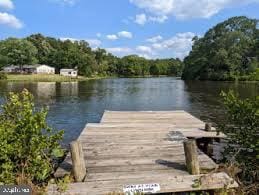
[133, 175]
[167, 161]
[152, 126]
[170, 184]
[145, 133]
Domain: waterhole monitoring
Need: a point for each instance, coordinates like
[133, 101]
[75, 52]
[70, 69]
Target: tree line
[228, 51]
[78, 54]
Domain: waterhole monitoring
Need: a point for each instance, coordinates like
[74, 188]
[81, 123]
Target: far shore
[59, 78]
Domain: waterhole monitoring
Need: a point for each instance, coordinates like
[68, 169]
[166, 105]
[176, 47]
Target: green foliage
[62, 183]
[3, 76]
[28, 146]
[3, 60]
[226, 52]
[251, 77]
[43, 46]
[18, 51]
[134, 65]
[242, 127]
[78, 54]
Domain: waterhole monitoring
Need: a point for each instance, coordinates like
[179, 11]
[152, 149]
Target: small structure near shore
[69, 72]
[146, 151]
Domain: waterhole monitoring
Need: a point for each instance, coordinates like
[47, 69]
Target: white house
[44, 69]
[69, 72]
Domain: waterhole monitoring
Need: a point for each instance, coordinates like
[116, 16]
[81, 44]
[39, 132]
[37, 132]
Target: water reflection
[74, 104]
[68, 89]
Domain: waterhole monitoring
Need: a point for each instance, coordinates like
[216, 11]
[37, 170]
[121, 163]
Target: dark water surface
[72, 105]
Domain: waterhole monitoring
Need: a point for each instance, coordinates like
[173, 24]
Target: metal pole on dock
[78, 161]
[191, 157]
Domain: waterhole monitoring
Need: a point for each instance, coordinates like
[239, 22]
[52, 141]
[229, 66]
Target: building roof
[67, 70]
[11, 66]
[36, 66]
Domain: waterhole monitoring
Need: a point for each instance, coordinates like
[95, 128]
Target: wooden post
[78, 161]
[208, 127]
[191, 157]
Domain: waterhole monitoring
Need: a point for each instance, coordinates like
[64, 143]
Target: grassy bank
[59, 78]
[43, 78]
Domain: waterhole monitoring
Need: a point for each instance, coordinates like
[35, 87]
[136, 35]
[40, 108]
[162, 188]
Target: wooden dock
[131, 148]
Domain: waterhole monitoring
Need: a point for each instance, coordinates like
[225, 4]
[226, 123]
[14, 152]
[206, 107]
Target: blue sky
[149, 28]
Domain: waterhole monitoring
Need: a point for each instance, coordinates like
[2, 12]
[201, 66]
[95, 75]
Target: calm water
[72, 105]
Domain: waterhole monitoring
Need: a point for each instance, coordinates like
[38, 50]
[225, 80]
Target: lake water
[72, 105]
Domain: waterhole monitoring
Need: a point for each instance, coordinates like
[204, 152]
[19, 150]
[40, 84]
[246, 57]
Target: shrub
[28, 146]
[242, 127]
[3, 76]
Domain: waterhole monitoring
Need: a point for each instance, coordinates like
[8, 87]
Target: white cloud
[10, 20]
[159, 19]
[155, 39]
[6, 4]
[68, 38]
[185, 9]
[160, 7]
[144, 49]
[177, 46]
[98, 35]
[112, 37]
[180, 44]
[121, 34]
[125, 34]
[94, 42]
[147, 56]
[141, 19]
[120, 51]
[158, 46]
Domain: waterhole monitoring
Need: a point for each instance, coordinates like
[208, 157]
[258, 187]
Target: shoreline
[59, 78]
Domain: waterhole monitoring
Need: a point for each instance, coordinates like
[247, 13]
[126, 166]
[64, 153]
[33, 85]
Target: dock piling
[208, 127]
[78, 161]
[191, 157]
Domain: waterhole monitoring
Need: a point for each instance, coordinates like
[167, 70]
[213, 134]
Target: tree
[242, 128]
[224, 51]
[43, 46]
[19, 51]
[131, 65]
[3, 61]
[28, 146]
[154, 69]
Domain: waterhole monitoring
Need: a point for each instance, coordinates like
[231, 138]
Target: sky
[148, 28]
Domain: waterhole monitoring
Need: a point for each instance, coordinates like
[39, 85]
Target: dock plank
[180, 183]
